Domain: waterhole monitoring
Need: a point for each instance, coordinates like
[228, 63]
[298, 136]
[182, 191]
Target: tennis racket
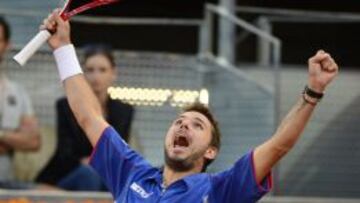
[69, 9]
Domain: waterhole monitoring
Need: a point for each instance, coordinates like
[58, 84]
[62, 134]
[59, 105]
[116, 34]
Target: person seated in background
[19, 130]
[68, 168]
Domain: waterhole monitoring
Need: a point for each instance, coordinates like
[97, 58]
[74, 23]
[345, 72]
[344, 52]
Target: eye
[198, 126]
[89, 69]
[178, 122]
[103, 69]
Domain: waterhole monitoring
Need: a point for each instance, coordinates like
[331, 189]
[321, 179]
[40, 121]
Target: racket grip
[23, 56]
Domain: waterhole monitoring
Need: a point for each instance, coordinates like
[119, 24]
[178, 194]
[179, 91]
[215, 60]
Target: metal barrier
[98, 197]
[206, 47]
[301, 14]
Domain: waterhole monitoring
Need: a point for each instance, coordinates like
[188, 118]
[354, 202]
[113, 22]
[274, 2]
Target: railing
[301, 14]
[207, 39]
[206, 48]
[94, 197]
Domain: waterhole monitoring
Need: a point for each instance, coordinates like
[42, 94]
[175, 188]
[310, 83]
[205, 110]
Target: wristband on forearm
[313, 94]
[309, 95]
[67, 62]
[313, 103]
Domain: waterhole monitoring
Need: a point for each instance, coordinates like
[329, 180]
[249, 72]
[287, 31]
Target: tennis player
[191, 143]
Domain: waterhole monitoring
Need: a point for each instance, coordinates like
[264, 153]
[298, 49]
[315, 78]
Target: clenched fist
[322, 70]
[60, 30]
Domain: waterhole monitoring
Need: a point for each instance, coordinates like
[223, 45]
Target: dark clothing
[83, 178]
[73, 144]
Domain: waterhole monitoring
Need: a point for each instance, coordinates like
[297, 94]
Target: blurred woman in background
[68, 168]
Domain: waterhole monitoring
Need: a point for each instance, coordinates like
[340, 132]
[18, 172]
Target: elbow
[85, 118]
[281, 149]
[84, 121]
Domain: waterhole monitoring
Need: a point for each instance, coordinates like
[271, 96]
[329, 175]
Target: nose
[184, 125]
[94, 76]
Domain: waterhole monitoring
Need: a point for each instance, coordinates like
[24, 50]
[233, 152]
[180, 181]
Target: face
[99, 73]
[3, 43]
[187, 143]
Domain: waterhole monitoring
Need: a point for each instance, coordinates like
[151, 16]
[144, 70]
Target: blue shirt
[131, 179]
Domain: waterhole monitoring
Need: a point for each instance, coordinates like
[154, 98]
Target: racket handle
[23, 56]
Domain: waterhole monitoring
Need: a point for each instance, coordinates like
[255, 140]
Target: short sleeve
[238, 184]
[27, 108]
[115, 161]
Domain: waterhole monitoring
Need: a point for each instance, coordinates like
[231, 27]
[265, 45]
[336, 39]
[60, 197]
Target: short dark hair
[6, 28]
[101, 49]
[215, 131]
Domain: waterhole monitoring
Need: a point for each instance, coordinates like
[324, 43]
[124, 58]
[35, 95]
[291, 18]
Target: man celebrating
[191, 143]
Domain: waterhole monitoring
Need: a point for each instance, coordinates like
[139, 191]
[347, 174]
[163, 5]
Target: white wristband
[67, 62]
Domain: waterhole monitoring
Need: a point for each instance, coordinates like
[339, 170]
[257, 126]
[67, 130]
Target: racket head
[72, 7]
[65, 6]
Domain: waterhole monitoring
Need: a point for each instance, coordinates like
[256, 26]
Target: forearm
[291, 127]
[285, 137]
[81, 98]
[22, 140]
[25, 138]
[322, 70]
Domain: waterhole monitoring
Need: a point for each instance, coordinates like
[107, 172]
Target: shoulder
[17, 92]
[15, 87]
[241, 168]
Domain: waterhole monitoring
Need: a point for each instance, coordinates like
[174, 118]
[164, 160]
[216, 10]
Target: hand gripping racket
[69, 9]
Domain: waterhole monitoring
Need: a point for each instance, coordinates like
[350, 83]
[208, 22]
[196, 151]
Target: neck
[170, 176]
[103, 98]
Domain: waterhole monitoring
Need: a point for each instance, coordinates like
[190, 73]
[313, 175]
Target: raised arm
[322, 70]
[81, 98]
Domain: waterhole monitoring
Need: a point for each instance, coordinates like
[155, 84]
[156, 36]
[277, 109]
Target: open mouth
[181, 141]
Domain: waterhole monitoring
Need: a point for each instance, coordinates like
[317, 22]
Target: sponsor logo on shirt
[205, 199]
[138, 189]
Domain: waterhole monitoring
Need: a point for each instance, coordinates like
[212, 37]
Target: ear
[211, 153]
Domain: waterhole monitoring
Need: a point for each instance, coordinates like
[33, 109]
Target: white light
[204, 96]
[158, 97]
